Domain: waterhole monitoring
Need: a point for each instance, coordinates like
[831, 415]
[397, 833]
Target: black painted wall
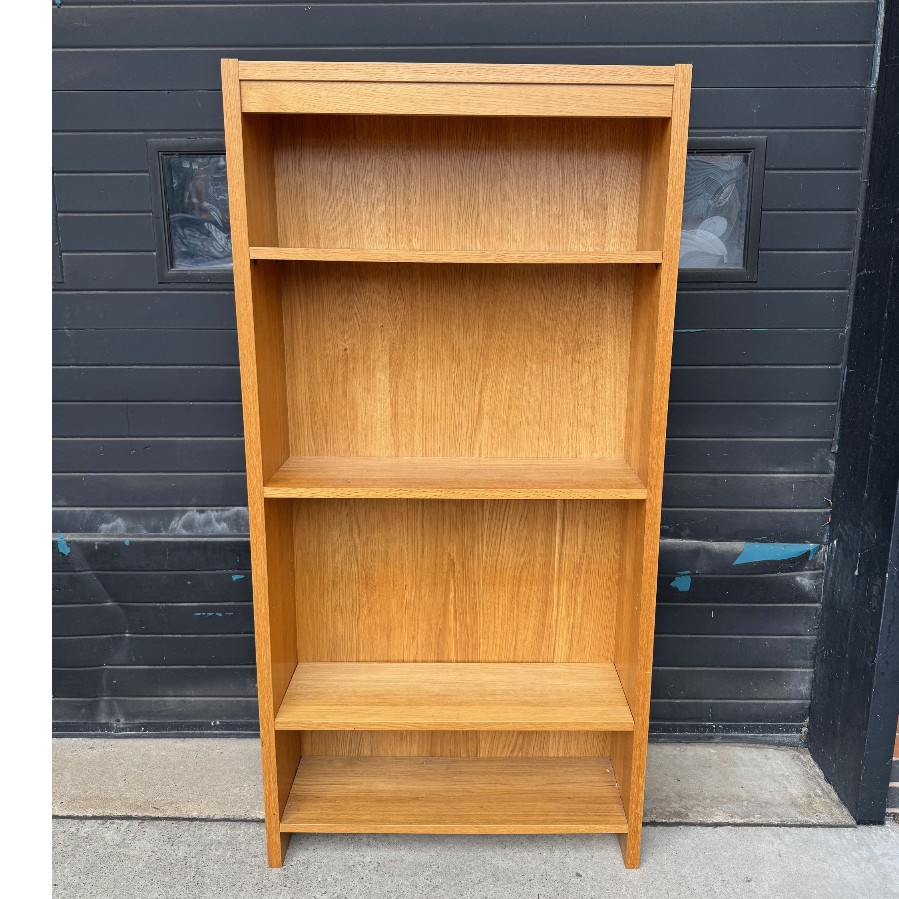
[855, 693]
[152, 591]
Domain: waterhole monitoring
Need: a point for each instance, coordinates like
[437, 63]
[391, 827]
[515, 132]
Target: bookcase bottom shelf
[379, 794]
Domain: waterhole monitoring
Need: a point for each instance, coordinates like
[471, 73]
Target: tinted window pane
[716, 188]
[196, 199]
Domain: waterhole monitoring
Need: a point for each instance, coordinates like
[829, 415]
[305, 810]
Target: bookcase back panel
[456, 580]
[449, 743]
[398, 360]
[458, 183]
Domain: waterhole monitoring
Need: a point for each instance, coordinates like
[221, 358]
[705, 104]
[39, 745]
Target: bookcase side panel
[653, 327]
[258, 132]
[266, 443]
[653, 185]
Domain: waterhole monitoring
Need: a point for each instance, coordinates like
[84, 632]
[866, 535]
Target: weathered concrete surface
[181, 777]
[721, 783]
[200, 859]
[188, 777]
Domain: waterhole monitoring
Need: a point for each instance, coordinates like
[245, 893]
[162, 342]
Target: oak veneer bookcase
[455, 297]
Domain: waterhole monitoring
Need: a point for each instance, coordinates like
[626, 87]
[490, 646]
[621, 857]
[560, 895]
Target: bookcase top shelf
[442, 478]
[489, 73]
[341, 254]
[469, 90]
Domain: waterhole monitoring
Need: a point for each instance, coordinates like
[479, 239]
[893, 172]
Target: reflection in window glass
[713, 232]
[196, 200]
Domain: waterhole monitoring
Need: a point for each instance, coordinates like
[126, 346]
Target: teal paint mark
[689, 330]
[127, 543]
[188, 582]
[769, 552]
[682, 582]
[61, 545]
[236, 577]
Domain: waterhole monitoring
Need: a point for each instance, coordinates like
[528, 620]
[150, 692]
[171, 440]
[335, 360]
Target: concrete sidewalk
[96, 859]
[118, 834]
[686, 783]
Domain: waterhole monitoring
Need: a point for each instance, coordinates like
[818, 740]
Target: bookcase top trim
[455, 72]
[454, 98]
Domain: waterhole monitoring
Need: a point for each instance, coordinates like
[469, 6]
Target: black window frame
[165, 270]
[756, 147]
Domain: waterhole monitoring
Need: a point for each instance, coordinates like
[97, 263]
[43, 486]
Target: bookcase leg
[281, 752]
[277, 845]
[628, 752]
[630, 846]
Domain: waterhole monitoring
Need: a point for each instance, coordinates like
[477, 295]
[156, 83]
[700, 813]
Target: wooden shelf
[358, 794]
[340, 254]
[438, 478]
[454, 696]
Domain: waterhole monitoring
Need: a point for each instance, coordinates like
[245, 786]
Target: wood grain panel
[458, 743]
[441, 580]
[260, 341]
[261, 191]
[429, 99]
[537, 257]
[653, 324]
[446, 795]
[442, 183]
[586, 579]
[387, 581]
[454, 72]
[519, 569]
[653, 185]
[456, 696]
[543, 744]
[457, 361]
[428, 478]
[391, 743]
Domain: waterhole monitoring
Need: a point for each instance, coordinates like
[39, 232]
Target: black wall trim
[855, 697]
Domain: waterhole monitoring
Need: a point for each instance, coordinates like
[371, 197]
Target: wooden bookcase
[455, 302]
